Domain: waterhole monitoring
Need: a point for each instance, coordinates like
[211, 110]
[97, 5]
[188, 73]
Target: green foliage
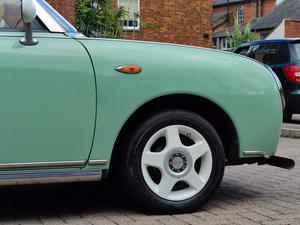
[240, 36]
[149, 26]
[99, 18]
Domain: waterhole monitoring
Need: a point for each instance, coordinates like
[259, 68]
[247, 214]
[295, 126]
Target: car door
[47, 98]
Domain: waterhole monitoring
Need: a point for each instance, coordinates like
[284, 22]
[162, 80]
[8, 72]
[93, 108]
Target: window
[240, 15]
[242, 50]
[131, 19]
[265, 53]
[214, 42]
[225, 44]
[11, 18]
[296, 52]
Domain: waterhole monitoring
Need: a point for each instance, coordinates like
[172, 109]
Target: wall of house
[250, 12]
[182, 22]
[278, 32]
[268, 6]
[66, 8]
[292, 29]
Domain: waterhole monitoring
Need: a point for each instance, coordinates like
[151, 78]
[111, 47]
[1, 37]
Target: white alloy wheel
[176, 163]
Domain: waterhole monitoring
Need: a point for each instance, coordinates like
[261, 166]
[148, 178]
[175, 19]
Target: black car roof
[283, 40]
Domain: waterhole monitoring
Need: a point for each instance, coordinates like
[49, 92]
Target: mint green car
[164, 119]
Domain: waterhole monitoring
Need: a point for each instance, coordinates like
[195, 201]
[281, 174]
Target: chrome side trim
[36, 34]
[49, 176]
[256, 154]
[42, 164]
[50, 23]
[97, 162]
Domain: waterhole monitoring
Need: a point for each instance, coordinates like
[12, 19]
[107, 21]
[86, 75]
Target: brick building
[66, 8]
[245, 11]
[282, 22]
[175, 21]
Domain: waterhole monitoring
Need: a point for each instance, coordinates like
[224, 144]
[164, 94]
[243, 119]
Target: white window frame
[240, 15]
[138, 27]
[224, 44]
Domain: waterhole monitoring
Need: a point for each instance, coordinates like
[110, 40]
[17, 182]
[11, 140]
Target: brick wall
[66, 8]
[176, 21]
[268, 6]
[249, 7]
[292, 29]
[250, 12]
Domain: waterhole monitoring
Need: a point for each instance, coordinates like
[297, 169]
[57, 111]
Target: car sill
[49, 176]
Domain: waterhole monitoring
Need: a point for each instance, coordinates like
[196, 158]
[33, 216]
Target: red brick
[176, 21]
[292, 29]
[66, 8]
[250, 12]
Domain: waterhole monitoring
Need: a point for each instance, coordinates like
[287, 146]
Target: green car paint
[48, 100]
[65, 104]
[48, 94]
[244, 89]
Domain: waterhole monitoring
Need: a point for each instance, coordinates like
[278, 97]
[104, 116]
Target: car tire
[174, 162]
[287, 117]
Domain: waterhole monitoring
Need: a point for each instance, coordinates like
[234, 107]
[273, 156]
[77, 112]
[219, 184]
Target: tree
[99, 18]
[240, 36]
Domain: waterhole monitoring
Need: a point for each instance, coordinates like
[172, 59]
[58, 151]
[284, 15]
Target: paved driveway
[249, 195]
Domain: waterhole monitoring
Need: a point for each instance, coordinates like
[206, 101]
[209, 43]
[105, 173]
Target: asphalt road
[249, 194]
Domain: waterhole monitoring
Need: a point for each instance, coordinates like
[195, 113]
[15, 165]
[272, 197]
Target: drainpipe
[227, 9]
[258, 8]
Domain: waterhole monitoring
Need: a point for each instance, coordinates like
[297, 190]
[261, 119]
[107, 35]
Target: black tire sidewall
[133, 170]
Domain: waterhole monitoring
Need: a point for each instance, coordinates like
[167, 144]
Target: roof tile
[288, 9]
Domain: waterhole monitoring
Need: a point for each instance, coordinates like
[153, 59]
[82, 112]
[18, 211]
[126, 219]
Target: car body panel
[244, 89]
[48, 100]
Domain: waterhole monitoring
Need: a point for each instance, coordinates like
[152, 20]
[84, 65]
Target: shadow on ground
[75, 199]
[60, 199]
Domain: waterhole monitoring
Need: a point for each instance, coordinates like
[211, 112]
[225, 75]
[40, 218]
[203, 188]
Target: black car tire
[132, 174]
[287, 117]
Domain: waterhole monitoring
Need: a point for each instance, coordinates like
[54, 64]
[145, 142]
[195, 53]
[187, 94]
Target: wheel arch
[210, 111]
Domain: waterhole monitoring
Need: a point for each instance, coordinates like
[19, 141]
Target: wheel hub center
[177, 162]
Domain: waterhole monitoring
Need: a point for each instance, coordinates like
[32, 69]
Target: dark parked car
[283, 56]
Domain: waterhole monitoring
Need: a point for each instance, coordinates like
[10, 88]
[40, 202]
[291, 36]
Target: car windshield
[296, 52]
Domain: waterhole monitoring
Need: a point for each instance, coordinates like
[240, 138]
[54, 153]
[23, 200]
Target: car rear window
[242, 50]
[295, 50]
[265, 53]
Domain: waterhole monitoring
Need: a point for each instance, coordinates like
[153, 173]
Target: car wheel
[173, 163]
[287, 117]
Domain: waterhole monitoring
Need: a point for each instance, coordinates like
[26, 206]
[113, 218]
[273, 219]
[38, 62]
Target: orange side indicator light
[129, 69]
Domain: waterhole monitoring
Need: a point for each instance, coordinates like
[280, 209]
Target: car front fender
[244, 89]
